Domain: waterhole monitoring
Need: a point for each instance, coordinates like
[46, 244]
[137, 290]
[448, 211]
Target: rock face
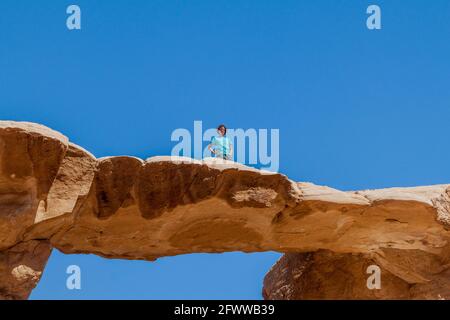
[54, 194]
[21, 268]
[404, 274]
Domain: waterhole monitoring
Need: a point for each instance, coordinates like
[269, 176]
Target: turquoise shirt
[222, 146]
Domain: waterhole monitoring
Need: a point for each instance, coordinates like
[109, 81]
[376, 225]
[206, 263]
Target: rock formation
[54, 194]
[405, 274]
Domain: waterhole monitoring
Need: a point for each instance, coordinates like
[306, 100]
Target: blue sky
[356, 108]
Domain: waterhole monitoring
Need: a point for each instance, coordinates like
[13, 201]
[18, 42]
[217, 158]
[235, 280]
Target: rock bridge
[55, 194]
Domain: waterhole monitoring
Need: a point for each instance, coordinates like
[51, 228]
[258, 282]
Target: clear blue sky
[356, 108]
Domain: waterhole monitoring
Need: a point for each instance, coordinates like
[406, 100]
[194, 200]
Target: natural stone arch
[54, 194]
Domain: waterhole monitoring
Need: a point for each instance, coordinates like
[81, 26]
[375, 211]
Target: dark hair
[222, 126]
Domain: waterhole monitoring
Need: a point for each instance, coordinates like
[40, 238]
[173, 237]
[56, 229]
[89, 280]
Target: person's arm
[211, 149]
[212, 145]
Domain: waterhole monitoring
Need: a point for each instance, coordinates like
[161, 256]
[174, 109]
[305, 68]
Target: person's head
[222, 130]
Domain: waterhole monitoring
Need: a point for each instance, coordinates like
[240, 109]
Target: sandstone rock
[124, 207]
[21, 268]
[405, 274]
[30, 156]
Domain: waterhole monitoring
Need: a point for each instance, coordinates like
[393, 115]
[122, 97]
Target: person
[221, 146]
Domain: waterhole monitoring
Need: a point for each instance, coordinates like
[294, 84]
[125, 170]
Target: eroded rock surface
[55, 192]
[21, 268]
[404, 274]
